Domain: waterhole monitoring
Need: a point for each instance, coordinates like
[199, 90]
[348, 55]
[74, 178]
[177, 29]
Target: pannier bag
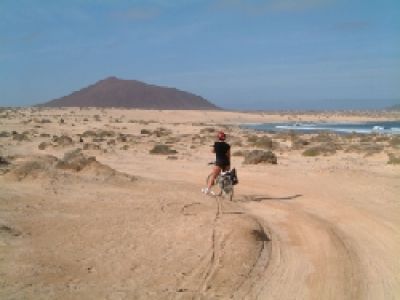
[234, 177]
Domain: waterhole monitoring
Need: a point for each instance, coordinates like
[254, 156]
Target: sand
[112, 221]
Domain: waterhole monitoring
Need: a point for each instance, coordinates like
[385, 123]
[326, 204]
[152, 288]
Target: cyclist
[222, 152]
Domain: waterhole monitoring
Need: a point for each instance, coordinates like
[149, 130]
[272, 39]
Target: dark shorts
[222, 164]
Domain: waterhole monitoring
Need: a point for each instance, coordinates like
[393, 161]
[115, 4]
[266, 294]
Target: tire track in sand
[311, 258]
[208, 273]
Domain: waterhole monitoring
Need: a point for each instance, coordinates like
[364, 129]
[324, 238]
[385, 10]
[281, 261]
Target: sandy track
[330, 248]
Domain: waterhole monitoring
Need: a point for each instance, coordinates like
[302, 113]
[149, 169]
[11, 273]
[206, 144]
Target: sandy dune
[127, 224]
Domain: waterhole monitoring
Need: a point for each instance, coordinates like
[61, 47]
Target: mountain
[115, 92]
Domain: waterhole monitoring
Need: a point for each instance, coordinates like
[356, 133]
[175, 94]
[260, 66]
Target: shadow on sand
[258, 198]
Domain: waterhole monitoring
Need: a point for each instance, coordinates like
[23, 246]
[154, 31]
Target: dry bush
[90, 146]
[235, 141]
[393, 159]
[98, 140]
[323, 149]
[4, 165]
[160, 132]
[75, 160]
[299, 143]
[44, 135]
[172, 140]
[145, 131]
[5, 134]
[162, 149]
[39, 166]
[122, 138]
[252, 138]
[395, 141]
[324, 137]
[105, 133]
[89, 133]
[63, 140]
[124, 147]
[238, 153]
[260, 156]
[207, 130]
[366, 138]
[43, 145]
[4, 161]
[20, 137]
[383, 138]
[367, 148]
[264, 142]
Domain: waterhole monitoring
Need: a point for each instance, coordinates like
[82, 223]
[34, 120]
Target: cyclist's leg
[215, 172]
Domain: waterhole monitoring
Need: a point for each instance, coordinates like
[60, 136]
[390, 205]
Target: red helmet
[221, 136]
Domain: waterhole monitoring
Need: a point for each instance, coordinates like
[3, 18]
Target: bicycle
[223, 185]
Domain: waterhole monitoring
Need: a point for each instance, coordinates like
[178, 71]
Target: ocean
[387, 127]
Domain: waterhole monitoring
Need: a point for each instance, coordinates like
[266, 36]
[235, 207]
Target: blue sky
[254, 54]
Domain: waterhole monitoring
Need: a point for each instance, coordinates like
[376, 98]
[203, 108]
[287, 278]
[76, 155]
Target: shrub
[63, 140]
[122, 138]
[159, 132]
[252, 138]
[4, 161]
[162, 149]
[264, 142]
[105, 133]
[20, 137]
[88, 133]
[5, 134]
[323, 149]
[235, 141]
[75, 160]
[368, 148]
[43, 145]
[89, 146]
[208, 130]
[260, 156]
[324, 137]
[299, 143]
[395, 141]
[393, 159]
[238, 153]
[145, 131]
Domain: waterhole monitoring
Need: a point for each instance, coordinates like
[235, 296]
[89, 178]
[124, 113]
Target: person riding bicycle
[222, 152]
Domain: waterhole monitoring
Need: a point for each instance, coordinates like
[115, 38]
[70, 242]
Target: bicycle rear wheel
[227, 187]
[215, 188]
[229, 194]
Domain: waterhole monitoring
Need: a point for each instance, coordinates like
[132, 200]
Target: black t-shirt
[221, 149]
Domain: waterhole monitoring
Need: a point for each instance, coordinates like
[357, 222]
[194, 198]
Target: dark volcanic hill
[115, 92]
